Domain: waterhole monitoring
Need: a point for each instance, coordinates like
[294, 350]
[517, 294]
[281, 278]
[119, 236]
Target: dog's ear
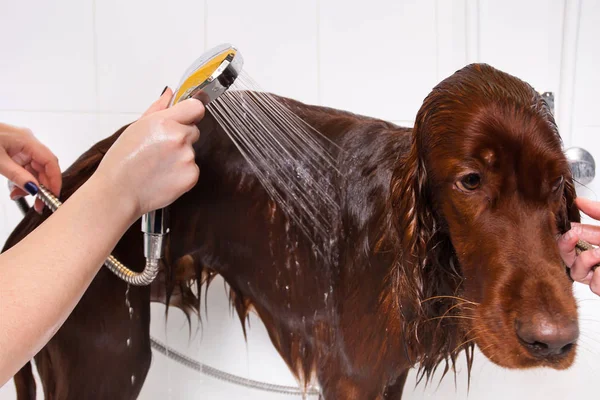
[568, 210]
[413, 217]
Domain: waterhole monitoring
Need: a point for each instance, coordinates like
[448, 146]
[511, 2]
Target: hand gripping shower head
[206, 79]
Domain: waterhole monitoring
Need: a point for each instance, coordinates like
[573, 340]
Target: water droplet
[287, 287]
[130, 312]
[132, 379]
[128, 342]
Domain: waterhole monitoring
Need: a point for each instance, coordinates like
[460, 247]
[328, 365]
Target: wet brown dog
[446, 238]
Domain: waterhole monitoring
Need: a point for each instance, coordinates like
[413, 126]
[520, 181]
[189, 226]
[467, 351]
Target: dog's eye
[469, 182]
[557, 184]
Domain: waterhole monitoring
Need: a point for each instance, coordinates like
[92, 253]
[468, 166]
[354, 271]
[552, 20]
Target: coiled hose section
[143, 278]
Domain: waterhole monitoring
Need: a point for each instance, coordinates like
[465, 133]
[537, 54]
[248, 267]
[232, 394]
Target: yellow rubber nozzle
[200, 74]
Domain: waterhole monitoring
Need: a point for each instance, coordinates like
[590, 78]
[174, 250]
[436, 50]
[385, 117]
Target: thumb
[18, 175]
[186, 112]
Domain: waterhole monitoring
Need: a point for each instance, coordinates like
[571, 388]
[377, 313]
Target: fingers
[581, 269]
[25, 149]
[193, 134]
[595, 282]
[589, 233]
[16, 193]
[590, 207]
[566, 245]
[45, 164]
[16, 173]
[160, 104]
[187, 112]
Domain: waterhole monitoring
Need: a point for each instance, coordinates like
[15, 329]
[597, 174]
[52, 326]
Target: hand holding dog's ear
[582, 266]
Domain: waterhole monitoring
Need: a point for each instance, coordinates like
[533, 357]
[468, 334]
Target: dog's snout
[545, 336]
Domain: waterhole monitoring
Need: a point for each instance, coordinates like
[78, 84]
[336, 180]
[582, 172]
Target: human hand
[153, 161]
[27, 163]
[582, 266]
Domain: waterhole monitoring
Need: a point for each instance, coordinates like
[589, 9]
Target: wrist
[121, 201]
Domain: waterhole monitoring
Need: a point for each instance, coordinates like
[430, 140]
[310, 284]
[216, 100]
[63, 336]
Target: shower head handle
[206, 79]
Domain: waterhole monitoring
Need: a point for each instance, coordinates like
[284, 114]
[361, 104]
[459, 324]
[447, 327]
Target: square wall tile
[451, 17]
[587, 78]
[377, 58]
[523, 38]
[47, 55]
[144, 46]
[278, 40]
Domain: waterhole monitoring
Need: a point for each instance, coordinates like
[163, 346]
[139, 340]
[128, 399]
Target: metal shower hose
[134, 278]
[139, 279]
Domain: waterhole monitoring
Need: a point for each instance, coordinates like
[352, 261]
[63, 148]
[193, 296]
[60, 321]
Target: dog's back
[227, 224]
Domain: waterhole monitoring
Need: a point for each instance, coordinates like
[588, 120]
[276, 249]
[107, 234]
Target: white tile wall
[587, 79]
[524, 38]
[142, 46]
[278, 40]
[76, 70]
[47, 55]
[377, 58]
[451, 28]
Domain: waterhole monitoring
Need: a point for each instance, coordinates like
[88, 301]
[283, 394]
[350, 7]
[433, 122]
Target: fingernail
[31, 188]
[16, 196]
[164, 90]
[567, 236]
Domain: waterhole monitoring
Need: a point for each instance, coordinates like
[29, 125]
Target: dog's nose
[544, 336]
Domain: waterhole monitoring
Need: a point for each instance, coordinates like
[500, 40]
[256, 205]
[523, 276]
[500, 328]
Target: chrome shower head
[210, 75]
[206, 79]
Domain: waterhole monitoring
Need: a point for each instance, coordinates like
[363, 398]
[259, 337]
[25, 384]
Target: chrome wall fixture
[581, 162]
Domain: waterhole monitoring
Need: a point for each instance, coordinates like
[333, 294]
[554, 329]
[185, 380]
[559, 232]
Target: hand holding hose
[26, 163]
[148, 167]
[153, 161]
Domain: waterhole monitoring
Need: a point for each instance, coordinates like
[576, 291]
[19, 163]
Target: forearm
[43, 277]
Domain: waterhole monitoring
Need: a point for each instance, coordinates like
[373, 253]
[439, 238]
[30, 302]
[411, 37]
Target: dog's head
[492, 191]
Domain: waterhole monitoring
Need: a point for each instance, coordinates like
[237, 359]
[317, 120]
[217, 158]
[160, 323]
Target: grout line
[436, 23]
[478, 22]
[472, 31]
[205, 25]
[95, 53]
[574, 72]
[319, 89]
[82, 112]
[466, 60]
[568, 69]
